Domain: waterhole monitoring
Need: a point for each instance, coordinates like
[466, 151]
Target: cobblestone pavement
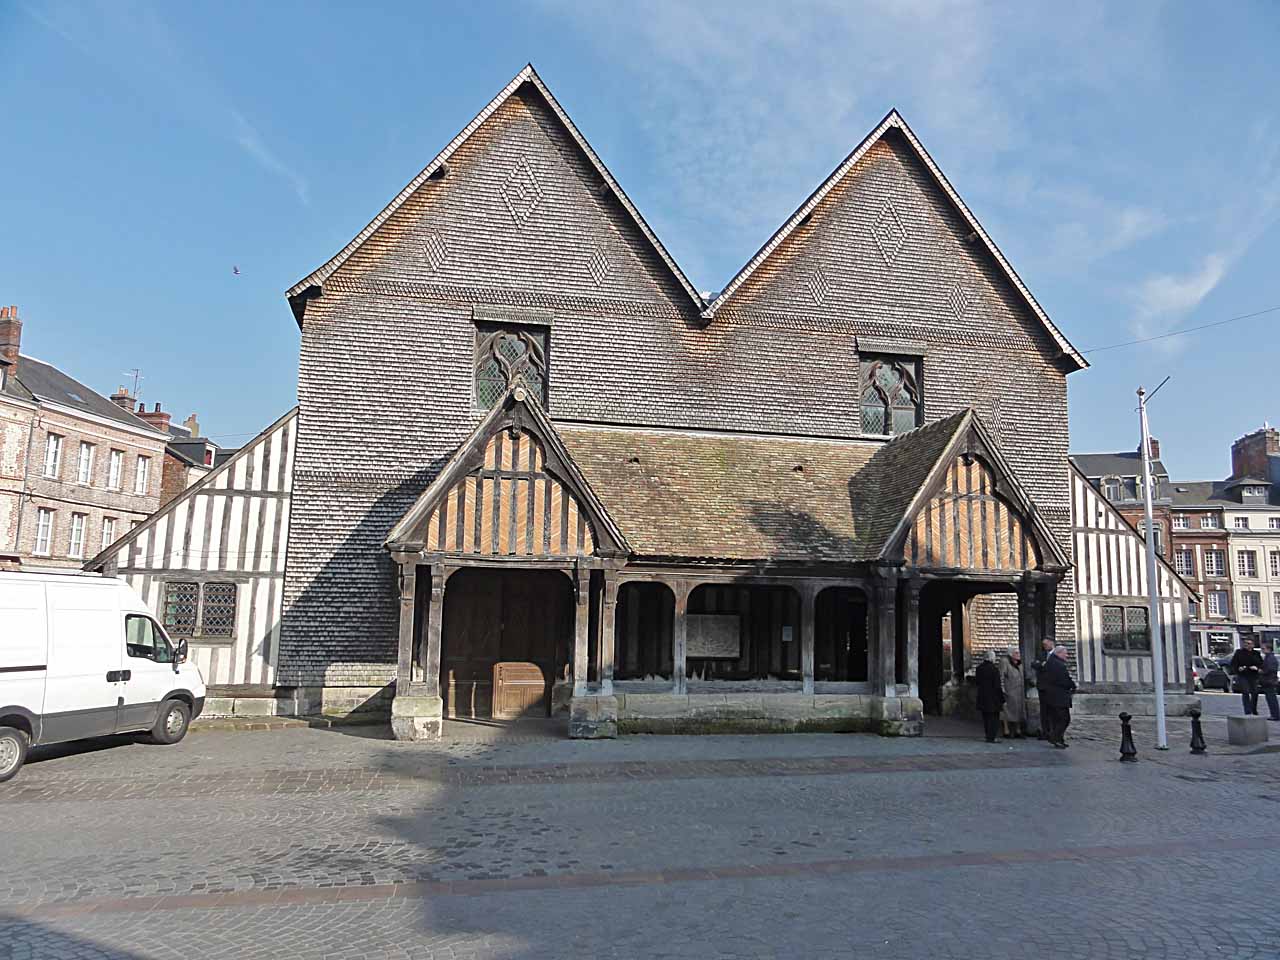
[507, 842]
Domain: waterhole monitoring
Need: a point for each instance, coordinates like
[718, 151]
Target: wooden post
[608, 608]
[808, 600]
[912, 625]
[959, 637]
[885, 638]
[1049, 610]
[405, 652]
[1029, 620]
[681, 589]
[582, 630]
[430, 675]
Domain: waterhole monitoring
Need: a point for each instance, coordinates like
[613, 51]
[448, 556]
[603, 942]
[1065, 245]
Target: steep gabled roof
[38, 380]
[894, 121]
[515, 409]
[530, 76]
[965, 432]
[1124, 464]
[208, 480]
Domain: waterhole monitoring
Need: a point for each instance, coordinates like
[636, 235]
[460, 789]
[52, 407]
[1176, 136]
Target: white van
[82, 656]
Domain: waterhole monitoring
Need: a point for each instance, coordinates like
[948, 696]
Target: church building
[536, 470]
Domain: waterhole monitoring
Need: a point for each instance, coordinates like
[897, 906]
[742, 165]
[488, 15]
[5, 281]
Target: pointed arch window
[507, 356]
[890, 394]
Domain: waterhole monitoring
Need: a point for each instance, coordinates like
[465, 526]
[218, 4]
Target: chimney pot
[10, 336]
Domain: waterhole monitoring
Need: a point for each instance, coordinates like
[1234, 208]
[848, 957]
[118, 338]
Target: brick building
[77, 471]
[534, 465]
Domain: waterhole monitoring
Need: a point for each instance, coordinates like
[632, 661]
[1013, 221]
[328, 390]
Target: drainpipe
[26, 474]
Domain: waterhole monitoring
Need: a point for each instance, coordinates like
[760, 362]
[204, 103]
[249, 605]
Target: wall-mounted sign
[713, 636]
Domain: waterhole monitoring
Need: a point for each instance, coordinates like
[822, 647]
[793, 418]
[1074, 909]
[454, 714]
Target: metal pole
[1153, 582]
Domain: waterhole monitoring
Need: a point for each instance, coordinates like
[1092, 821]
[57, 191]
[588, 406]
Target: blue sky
[1126, 157]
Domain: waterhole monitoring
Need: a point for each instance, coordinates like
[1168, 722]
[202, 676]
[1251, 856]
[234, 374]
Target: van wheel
[13, 752]
[171, 725]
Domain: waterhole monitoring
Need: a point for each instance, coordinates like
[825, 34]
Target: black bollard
[1128, 752]
[1197, 735]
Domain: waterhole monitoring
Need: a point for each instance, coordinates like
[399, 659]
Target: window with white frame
[1216, 603]
[142, 475]
[1251, 603]
[1247, 563]
[115, 470]
[1184, 562]
[108, 531]
[1273, 523]
[1240, 523]
[1180, 521]
[1111, 488]
[1215, 563]
[44, 532]
[1209, 521]
[78, 523]
[1275, 604]
[1275, 563]
[1159, 538]
[84, 463]
[52, 454]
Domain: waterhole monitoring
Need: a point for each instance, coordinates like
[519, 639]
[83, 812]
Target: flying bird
[235, 270]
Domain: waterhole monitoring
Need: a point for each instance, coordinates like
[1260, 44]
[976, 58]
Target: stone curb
[283, 723]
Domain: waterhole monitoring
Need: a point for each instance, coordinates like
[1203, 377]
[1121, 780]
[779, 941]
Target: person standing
[1270, 681]
[990, 695]
[1056, 688]
[1046, 651]
[1246, 664]
[1013, 682]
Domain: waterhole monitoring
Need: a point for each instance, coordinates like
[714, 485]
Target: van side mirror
[179, 654]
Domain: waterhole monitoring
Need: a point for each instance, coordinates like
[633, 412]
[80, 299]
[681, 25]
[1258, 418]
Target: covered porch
[522, 595]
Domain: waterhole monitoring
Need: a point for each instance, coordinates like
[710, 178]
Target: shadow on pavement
[21, 937]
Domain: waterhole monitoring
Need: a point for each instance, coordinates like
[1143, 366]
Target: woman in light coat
[1013, 680]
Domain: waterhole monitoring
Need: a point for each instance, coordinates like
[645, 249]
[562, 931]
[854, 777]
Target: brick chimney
[192, 424]
[1249, 453]
[123, 399]
[1154, 446]
[10, 336]
[157, 418]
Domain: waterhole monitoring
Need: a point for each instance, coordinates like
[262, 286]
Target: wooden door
[502, 627]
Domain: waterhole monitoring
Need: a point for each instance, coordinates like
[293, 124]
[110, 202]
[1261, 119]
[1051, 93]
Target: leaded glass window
[508, 356]
[890, 388]
[1137, 628]
[1113, 628]
[219, 615]
[181, 607]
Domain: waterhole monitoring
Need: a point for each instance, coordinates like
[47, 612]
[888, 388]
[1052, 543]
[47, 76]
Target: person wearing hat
[1013, 682]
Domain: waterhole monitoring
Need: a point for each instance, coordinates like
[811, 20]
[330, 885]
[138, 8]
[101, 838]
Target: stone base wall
[334, 701]
[1135, 704]
[768, 713]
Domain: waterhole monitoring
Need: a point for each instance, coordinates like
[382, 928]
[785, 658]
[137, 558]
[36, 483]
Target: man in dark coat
[990, 695]
[1271, 679]
[1246, 664]
[1056, 687]
[1037, 665]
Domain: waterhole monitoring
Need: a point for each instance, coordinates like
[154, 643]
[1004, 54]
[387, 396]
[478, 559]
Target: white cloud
[252, 143]
[1165, 298]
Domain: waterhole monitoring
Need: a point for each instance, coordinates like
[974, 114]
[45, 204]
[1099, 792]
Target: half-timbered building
[536, 469]
[210, 564]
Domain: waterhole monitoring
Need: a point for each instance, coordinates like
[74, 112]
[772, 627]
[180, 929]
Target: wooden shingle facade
[515, 409]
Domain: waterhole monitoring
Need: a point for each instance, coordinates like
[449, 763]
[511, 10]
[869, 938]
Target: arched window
[890, 395]
[506, 356]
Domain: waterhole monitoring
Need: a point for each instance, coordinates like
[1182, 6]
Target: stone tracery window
[890, 394]
[508, 356]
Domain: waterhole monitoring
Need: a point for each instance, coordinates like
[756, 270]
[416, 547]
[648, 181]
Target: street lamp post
[1153, 582]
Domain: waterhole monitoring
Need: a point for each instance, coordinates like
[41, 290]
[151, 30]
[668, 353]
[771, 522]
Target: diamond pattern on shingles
[521, 192]
[817, 284]
[599, 265]
[958, 300]
[434, 247]
[889, 232]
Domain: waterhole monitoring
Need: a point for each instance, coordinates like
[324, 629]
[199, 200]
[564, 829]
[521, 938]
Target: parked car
[81, 656]
[1209, 675]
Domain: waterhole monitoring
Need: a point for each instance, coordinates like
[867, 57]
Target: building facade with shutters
[77, 471]
[536, 469]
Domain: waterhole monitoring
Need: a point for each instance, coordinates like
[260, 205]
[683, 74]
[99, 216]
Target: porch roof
[752, 498]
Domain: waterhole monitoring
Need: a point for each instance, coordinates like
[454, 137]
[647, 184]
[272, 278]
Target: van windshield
[143, 639]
